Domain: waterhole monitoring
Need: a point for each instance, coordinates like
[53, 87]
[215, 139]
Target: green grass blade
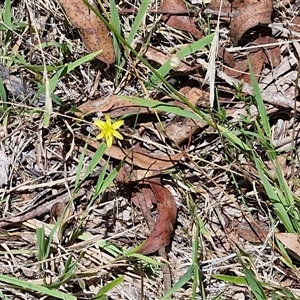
[3, 297]
[96, 159]
[166, 67]
[7, 14]
[41, 243]
[70, 67]
[280, 209]
[103, 183]
[115, 20]
[3, 96]
[108, 287]
[51, 235]
[182, 281]
[100, 181]
[230, 279]
[25, 285]
[163, 107]
[67, 273]
[260, 103]
[195, 261]
[138, 20]
[36, 68]
[108, 180]
[234, 139]
[255, 286]
[48, 104]
[285, 258]
[145, 259]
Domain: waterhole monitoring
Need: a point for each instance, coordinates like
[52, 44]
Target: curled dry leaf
[180, 22]
[151, 192]
[243, 14]
[259, 56]
[257, 12]
[164, 225]
[94, 32]
[144, 160]
[112, 104]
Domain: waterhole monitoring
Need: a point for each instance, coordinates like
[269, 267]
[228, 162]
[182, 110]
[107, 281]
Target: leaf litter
[44, 160]
[94, 32]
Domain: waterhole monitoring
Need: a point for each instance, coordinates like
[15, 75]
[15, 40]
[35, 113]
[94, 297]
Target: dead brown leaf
[226, 56]
[112, 104]
[239, 68]
[164, 225]
[94, 32]
[195, 96]
[144, 195]
[244, 14]
[268, 55]
[290, 241]
[253, 231]
[272, 55]
[180, 131]
[249, 230]
[255, 13]
[57, 210]
[228, 7]
[144, 160]
[180, 22]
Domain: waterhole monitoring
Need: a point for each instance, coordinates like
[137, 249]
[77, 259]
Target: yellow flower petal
[109, 140]
[100, 136]
[117, 135]
[99, 124]
[118, 124]
[108, 120]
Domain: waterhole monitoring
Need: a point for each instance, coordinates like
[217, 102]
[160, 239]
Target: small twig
[218, 13]
[166, 271]
[162, 11]
[40, 209]
[45, 205]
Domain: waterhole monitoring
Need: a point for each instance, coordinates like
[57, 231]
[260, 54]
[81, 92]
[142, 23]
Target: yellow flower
[109, 130]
